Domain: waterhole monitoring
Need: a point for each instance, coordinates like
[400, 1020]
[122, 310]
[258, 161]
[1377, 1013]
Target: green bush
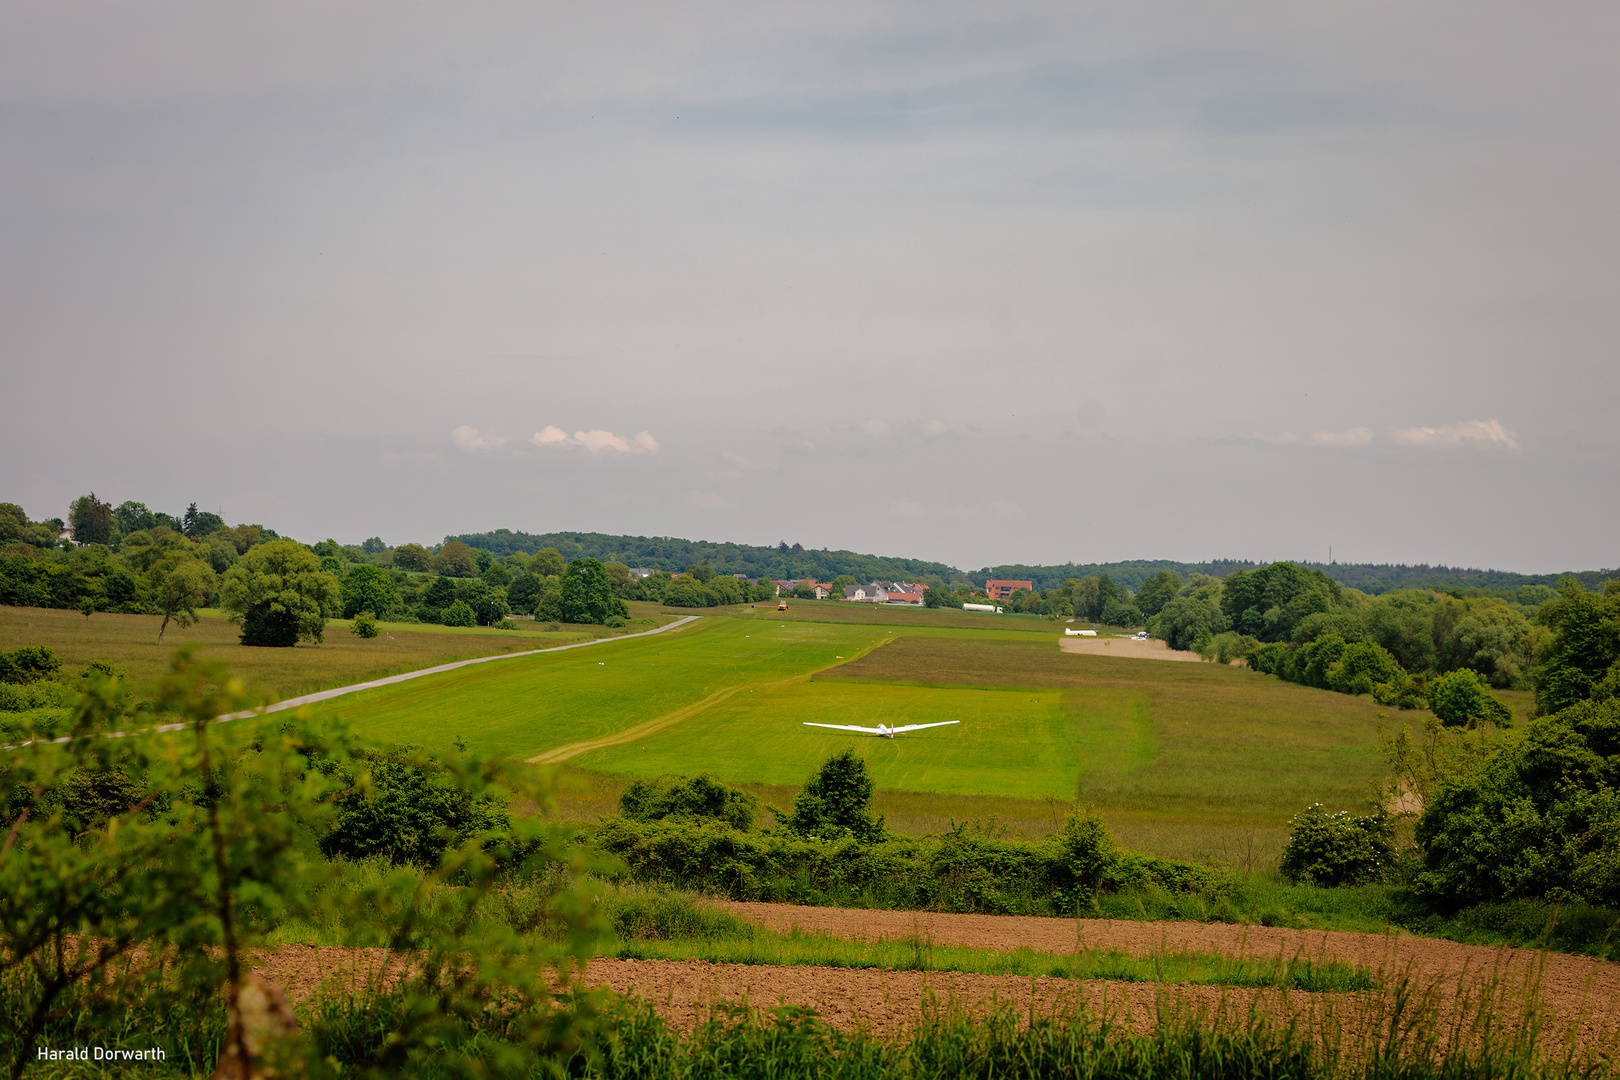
[364, 625]
[1463, 698]
[21, 697]
[954, 872]
[1536, 818]
[458, 614]
[1361, 667]
[837, 801]
[406, 808]
[696, 796]
[28, 664]
[1338, 849]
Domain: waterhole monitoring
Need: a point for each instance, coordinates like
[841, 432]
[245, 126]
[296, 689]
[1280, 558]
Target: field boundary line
[647, 727]
[560, 754]
[389, 680]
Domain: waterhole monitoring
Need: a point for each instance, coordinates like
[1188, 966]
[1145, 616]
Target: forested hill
[1374, 578]
[672, 554]
[793, 561]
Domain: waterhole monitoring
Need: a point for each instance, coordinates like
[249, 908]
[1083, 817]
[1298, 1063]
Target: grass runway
[1189, 760]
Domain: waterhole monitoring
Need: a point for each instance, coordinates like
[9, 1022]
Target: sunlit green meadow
[1197, 761]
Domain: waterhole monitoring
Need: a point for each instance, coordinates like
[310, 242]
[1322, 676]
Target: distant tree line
[783, 562]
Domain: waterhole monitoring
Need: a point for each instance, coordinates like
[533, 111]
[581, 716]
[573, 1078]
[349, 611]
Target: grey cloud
[1067, 258]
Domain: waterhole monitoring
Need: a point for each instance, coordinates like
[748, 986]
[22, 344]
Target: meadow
[130, 642]
[542, 702]
[1193, 761]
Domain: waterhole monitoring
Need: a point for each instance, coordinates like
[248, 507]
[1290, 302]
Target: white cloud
[1283, 438]
[468, 438]
[597, 440]
[907, 508]
[1356, 436]
[875, 428]
[1476, 433]
[934, 427]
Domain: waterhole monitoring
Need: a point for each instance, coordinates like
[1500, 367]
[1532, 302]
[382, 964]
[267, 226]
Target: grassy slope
[131, 642]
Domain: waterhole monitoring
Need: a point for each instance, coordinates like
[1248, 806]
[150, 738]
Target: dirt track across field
[1130, 648]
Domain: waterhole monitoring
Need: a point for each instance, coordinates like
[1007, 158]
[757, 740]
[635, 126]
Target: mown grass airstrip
[542, 702]
[1188, 760]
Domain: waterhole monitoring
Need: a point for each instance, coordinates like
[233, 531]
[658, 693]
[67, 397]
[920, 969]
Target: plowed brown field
[1578, 995]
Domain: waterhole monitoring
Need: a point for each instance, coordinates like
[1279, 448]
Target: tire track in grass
[560, 754]
[640, 731]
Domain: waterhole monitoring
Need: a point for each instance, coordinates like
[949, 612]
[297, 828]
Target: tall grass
[1401, 1032]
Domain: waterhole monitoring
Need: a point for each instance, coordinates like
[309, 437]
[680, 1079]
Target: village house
[885, 592]
[1000, 590]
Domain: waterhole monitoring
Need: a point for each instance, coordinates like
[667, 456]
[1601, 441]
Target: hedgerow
[953, 872]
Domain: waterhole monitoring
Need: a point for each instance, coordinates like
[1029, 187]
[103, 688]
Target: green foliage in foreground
[1539, 817]
[140, 872]
[625, 1040]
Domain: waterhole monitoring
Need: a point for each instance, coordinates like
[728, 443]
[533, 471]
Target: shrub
[616, 621]
[28, 664]
[1464, 697]
[1537, 818]
[458, 614]
[408, 809]
[696, 796]
[365, 625]
[1337, 849]
[837, 801]
[955, 872]
[1362, 666]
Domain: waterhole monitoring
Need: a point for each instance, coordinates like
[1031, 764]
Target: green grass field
[538, 703]
[130, 641]
[1193, 761]
[1187, 760]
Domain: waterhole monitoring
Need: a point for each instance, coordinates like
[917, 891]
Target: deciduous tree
[280, 594]
[455, 559]
[587, 595]
[179, 583]
[92, 520]
[368, 588]
[412, 557]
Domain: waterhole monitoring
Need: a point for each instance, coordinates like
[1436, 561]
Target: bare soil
[1578, 995]
[1130, 648]
[1574, 990]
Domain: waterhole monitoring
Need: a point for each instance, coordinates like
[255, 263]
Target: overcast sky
[973, 282]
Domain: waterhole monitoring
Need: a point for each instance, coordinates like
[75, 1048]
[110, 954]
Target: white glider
[882, 731]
